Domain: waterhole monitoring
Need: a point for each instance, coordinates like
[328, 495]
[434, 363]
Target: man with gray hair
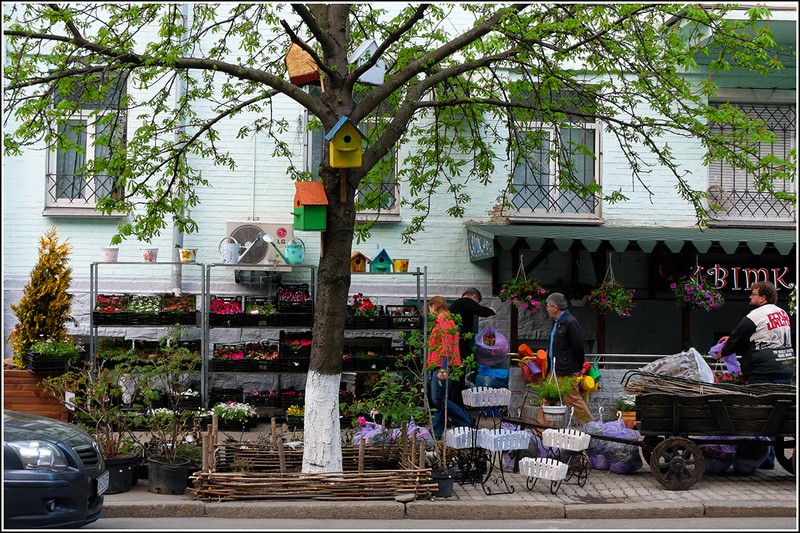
[566, 352]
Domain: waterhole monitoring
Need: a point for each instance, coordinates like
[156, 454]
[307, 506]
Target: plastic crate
[287, 338]
[232, 311]
[566, 439]
[404, 316]
[551, 469]
[174, 304]
[486, 397]
[294, 298]
[257, 311]
[460, 437]
[503, 439]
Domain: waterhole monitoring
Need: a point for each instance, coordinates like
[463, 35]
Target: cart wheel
[584, 470]
[784, 445]
[648, 445]
[677, 463]
[555, 485]
[530, 482]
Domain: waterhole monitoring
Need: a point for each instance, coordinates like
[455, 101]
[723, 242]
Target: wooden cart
[673, 427]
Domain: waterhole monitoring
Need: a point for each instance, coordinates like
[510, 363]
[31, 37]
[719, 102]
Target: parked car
[53, 473]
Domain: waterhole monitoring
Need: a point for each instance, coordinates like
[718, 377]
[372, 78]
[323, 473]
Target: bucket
[149, 255]
[444, 482]
[188, 255]
[167, 478]
[400, 265]
[109, 254]
[294, 251]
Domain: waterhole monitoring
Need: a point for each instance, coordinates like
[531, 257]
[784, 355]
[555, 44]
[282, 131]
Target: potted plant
[549, 395]
[95, 399]
[612, 297]
[523, 293]
[172, 368]
[53, 355]
[578, 294]
[695, 292]
[233, 414]
[626, 409]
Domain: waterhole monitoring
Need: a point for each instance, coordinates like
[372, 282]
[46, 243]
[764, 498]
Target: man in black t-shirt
[470, 309]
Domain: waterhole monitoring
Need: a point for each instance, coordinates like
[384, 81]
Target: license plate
[102, 483]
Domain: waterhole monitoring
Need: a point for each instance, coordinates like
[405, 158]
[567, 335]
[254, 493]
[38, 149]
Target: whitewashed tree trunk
[323, 453]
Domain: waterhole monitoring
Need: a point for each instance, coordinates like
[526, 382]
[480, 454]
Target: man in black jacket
[469, 308]
[566, 352]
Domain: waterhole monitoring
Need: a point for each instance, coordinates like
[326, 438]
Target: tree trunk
[322, 435]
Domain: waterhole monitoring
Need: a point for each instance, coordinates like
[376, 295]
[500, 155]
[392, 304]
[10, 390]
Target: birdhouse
[301, 66]
[345, 148]
[358, 262]
[310, 206]
[381, 262]
[376, 73]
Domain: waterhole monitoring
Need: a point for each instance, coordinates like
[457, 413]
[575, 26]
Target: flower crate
[45, 364]
[550, 469]
[294, 364]
[179, 310]
[496, 440]
[294, 298]
[225, 311]
[566, 439]
[259, 311]
[265, 354]
[144, 307]
[288, 399]
[220, 395]
[301, 320]
[233, 365]
[109, 310]
[295, 344]
[368, 322]
[460, 437]
[485, 397]
[404, 316]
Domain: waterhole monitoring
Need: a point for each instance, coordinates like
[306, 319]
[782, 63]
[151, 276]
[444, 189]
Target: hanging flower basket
[523, 293]
[612, 297]
[695, 292]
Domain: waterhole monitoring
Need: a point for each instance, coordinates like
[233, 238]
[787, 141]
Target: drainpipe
[176, 278]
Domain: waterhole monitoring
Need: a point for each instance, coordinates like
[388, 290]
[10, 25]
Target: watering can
[293, 252]
[229, 251]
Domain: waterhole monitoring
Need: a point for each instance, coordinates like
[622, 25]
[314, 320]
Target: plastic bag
[490, 354]
[717, 458]
[688, 365]
[731, 362]
[618, 457]
[749, 457]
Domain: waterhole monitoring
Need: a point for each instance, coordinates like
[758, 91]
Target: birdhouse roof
[309, 193]
[370, 45]
[336, 127]
[357, 254]
[381, 253]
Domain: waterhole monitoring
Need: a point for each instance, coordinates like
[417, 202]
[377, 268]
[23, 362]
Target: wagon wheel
[782, 446]
[530, 482]
[677, 463]
[585, 467]
[648, 445]
[555, 485]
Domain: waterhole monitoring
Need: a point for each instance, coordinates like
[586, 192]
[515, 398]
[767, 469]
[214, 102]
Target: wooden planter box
[22, 392]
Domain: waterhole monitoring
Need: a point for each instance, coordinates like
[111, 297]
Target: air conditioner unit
[251, 233]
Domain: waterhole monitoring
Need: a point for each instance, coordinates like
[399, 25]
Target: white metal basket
[485, 397]
[551, 469]
[460, 437]
[503, 439]
[566, 439]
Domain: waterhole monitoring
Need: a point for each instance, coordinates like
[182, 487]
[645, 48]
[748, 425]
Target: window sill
[750, 223]
[78, 212]
[585, 220]
[378, 217]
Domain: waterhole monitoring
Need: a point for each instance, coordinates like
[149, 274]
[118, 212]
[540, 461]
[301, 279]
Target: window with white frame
[379, 189]
[560, 154]
[87, 137]
[734, 194]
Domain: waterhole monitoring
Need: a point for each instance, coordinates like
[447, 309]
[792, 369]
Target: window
[95, 127]
[735, 191]
[379, 188]
[537, 175]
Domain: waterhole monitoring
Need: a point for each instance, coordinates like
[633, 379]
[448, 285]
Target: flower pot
[554, 412]
[400, 265]
[628, 418]
[149, 255]
[120, 472]
[167, 478]
[187, 255]
[109, 254]
[444, 481]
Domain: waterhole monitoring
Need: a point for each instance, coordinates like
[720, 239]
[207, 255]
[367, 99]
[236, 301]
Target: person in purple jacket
[763, 340]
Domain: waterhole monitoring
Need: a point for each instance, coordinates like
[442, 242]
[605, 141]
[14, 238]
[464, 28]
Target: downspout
[176, 279]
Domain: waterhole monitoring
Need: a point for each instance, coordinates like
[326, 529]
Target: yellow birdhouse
[345, 144]
[358, 262]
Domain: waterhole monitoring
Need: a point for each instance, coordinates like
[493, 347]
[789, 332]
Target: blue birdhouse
[345, 144]
[381, 262]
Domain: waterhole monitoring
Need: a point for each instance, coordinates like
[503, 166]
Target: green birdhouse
[345, 144]
[310, 206]
[381, 262]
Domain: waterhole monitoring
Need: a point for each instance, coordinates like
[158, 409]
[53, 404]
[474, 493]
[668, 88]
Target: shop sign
[739, 278]
[480, 246]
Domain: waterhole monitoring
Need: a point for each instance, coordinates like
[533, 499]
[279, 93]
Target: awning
[482, 239]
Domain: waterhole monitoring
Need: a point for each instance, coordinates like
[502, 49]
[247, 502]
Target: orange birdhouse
[301, 66]
[310, 206]
[358, 262]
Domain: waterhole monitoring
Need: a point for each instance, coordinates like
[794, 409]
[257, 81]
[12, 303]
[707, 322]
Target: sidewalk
[605, 495]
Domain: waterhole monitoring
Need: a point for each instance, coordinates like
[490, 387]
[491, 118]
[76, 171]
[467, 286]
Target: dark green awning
[481, 238]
